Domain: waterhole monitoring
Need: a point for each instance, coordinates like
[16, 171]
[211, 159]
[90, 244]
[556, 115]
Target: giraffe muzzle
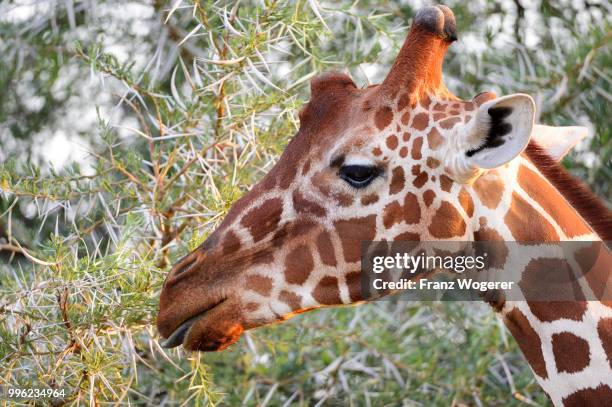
[178, 336]
[213, 329]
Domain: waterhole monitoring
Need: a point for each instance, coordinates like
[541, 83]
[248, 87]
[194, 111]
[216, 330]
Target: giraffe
[404, 160]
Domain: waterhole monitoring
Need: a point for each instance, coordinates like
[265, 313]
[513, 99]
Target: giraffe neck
[567, 344]
[520, 204]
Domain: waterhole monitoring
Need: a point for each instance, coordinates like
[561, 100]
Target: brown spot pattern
[264, 219]
[432, 162]
[351, 232]
[447, 222]
[428, 197]
[343, 199]
[286, 179]
[595, 263]
[306, 167]
[604, 330]
[353, 281]
[231, 243]
[421, 177]
[407, 237]
[383, 117]
[498, 251]
[392, 142]
[260, 284]
[439, 116]
[434, 139]
[293, 300]
[327, 291]
[598, 396]
[325, 248]
[251, 306]
[571, 352]
[264, 256]
[392, 214]
[298, 265]
[466, 202]
[420, 121]
[369, 199]
[304, 206]
[425, 101]
[526, 224]
[553, 279]
[489, 191]
[548, 197]
[450, 122]
[403, 101]
[417, 144]
[410, 212]
[445, 183]
[554, 310]
[398, 180]
[528, 340]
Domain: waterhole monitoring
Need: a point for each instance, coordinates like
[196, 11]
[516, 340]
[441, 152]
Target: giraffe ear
[558, 141]
[500, 131]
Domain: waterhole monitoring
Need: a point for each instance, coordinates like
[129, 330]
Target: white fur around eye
[358, 160]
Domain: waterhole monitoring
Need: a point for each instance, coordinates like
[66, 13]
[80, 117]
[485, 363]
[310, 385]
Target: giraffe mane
[585, 202]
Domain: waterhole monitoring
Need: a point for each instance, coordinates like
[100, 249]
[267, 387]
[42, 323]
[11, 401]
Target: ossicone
[418, 66]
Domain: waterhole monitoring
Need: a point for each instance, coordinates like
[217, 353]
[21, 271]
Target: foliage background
[127, 129]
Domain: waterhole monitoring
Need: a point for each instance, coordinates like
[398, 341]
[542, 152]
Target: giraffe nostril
[185, 264]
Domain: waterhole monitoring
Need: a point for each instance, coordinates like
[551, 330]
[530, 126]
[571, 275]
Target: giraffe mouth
[177, 337]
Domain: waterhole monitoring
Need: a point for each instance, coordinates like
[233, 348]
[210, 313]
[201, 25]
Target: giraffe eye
[358, 176]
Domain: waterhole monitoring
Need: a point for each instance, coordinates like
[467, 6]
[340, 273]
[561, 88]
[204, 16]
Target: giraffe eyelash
[359, 176]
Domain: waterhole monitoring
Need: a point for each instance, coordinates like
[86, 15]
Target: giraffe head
[367, 164]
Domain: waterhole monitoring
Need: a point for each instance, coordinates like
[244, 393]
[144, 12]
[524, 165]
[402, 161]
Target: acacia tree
[203, 103]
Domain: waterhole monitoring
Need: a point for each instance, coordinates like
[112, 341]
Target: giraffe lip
[177, 337]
